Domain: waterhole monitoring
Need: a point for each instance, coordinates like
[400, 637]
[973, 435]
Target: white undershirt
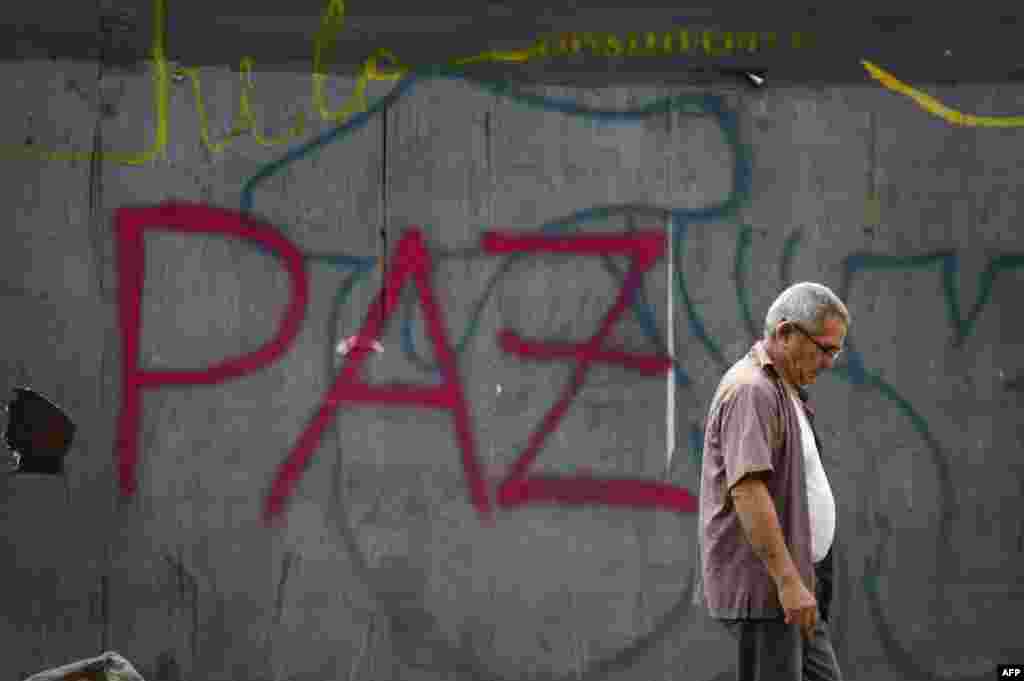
[820, 501]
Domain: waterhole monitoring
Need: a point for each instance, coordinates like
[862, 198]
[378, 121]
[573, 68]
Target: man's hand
[757, 515]
[799, 604]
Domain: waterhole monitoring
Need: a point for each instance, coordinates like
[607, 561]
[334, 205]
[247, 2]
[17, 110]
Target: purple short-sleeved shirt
[747, 430]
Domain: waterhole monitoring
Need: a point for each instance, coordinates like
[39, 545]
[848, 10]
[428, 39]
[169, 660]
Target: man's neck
[776, 356]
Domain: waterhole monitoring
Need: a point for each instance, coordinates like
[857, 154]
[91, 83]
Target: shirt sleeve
[749, 425]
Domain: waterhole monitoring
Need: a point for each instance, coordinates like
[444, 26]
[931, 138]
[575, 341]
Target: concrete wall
[381, 567]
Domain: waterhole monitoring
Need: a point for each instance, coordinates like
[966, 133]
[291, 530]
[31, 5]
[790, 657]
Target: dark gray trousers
[771, 650]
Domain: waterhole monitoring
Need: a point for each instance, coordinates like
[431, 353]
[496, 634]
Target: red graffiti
[411, 260]
[519, 488]
[195, 219]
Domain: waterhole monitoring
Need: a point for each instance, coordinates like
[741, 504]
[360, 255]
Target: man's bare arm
[761, 524]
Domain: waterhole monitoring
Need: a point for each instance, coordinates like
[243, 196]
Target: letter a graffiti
[411, 260]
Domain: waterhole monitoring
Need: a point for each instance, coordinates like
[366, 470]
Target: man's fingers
[807, 623]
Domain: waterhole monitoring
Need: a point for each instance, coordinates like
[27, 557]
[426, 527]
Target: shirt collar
[763, 360]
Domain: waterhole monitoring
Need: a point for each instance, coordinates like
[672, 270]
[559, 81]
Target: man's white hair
[809, 304]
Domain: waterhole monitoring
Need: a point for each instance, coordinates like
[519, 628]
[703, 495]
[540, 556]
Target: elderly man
[767, 516]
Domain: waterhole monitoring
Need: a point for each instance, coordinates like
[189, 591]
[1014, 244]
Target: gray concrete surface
[382, 568]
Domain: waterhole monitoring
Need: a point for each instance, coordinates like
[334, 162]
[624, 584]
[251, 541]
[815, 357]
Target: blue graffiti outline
[693, 104]
[680, 219]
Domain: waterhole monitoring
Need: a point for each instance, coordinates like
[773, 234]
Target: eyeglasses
[830, 351]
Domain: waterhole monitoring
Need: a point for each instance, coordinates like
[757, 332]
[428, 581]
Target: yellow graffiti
[653, 44]
[330, 25]
[934, 106]
[160, 98]
[872, 211]
[248, 121]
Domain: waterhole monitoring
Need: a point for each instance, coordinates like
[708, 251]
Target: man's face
[802, 360]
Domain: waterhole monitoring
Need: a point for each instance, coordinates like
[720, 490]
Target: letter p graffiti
[130, 224]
